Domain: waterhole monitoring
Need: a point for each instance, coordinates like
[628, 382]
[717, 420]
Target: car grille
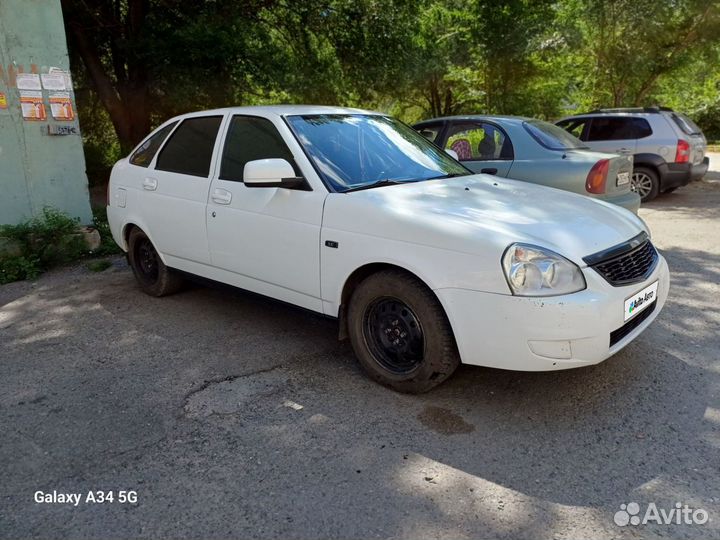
[632, 324]
[626, 264]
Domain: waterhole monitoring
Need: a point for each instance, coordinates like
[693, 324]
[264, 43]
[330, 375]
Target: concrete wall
[36, 169]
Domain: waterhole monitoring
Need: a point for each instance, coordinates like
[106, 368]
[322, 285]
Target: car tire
[646, 183]
[152, 275]
[400, 333]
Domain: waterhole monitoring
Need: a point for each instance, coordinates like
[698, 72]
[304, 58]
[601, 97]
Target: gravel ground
[234, 416]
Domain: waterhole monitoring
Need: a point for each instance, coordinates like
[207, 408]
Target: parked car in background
[354, 215]
[668, 148]
[533, 151]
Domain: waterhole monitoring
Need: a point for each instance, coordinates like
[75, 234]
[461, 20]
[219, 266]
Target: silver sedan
[534, 151]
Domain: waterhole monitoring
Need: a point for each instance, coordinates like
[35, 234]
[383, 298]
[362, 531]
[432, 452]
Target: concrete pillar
[41, 161]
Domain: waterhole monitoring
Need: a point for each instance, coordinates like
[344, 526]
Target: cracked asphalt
[233, 416]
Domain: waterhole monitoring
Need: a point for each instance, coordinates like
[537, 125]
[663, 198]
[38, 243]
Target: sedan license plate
[640, 300]
[623, 178]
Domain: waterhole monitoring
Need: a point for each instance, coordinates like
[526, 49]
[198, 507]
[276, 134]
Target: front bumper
[550, 333]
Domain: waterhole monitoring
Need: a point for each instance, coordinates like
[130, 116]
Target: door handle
[622, 150]
[489, 170]
[149, 184]
[221, 196]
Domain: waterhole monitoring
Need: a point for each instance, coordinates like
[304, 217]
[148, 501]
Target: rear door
[483, 147]
[175, 191]
[611, 134]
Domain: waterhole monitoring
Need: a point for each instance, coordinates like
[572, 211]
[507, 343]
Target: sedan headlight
[535, 271]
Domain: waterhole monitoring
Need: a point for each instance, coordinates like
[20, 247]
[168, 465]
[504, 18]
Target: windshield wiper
[451, 175]
[378, 183]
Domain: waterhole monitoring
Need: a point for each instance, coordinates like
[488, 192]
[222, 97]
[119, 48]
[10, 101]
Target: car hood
[482, 214]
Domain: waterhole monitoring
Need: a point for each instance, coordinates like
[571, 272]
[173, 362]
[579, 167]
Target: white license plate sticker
[623, 178]
[640, 300]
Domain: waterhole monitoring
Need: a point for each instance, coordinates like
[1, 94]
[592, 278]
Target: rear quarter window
[147, 150]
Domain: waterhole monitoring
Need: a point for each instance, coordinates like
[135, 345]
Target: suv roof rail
[655, 109]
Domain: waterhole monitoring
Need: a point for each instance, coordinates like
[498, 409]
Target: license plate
[623, 178]
[640, 300]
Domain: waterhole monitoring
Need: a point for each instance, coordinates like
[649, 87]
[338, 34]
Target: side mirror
[271, 173]
[452, 153]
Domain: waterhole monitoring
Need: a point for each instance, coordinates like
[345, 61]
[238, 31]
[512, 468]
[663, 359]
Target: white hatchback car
[354, 215]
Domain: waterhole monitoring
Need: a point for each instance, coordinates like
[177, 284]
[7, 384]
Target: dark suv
[668, 148]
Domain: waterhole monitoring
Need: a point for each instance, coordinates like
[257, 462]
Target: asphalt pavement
[233, 416]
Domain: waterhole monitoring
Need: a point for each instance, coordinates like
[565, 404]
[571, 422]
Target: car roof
[499, 118]
[281, 110]
[610, 113]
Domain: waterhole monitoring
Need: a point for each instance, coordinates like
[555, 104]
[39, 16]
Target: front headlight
[535, 271]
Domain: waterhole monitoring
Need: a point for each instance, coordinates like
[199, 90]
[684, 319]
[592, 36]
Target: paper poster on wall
[53, 81]
[61, 107]
[28, 81]
[65, 74]
[32, 106]
[3, 101]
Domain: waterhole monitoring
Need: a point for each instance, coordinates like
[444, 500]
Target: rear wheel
[152, 275]
[400, 333]
[645, 182]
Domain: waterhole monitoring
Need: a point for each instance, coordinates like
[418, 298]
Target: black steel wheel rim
[147, 261]
[394, 335]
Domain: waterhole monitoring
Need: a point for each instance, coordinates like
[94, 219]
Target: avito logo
[630, 514]
[640, 301]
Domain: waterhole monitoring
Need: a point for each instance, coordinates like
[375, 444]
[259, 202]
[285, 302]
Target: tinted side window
[611, 129]
[250, 138]
[641, 127]
[145, 154]
[189, 150]
[478, 142]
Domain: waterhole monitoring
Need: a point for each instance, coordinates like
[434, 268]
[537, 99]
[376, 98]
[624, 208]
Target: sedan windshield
[353, 151]
[552, 136]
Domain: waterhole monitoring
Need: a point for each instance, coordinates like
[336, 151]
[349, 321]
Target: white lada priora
[354, 215]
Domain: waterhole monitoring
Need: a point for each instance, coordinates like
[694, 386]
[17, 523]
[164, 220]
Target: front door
[267, 236]
[481, 146]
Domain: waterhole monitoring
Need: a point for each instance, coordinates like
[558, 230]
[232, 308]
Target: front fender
[437, 268]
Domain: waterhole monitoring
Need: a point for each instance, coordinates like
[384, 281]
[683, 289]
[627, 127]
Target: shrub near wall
[36, 245]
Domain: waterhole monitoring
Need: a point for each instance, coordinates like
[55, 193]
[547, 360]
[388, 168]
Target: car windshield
[552, 136]
[353, 151]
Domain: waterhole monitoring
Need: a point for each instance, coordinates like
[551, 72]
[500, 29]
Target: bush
[107, 244]
[43, 242]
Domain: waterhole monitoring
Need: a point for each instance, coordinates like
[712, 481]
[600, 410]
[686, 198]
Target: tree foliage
[138, 62]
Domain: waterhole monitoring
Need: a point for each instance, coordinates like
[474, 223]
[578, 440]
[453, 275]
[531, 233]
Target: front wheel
[152, 275]
[645, 182]
[400, 333]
